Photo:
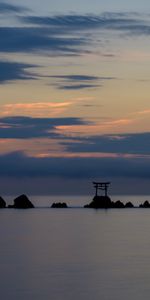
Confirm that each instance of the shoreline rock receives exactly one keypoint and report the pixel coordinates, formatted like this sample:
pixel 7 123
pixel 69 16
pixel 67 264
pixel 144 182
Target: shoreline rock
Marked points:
pixel 105 202
pixel 146 204
pixel 129 205
pixel 22 202
pixel 2 203
pixel 118 204
pixel 100 202
pixel 59 205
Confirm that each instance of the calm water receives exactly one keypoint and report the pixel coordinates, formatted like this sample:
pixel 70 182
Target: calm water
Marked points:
pixel 75 254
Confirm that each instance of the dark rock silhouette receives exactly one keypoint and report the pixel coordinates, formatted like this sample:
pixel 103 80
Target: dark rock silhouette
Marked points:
pixel 100 202
pixel 146 204
pixel 22 202
pixel 118 204
pixel 2 203
pixel 129 205
pixel 59 205
pixel 105 202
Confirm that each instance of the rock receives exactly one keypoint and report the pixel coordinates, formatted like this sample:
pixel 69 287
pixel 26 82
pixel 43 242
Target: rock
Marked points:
pixel 104 202
pixel 118 204
pixel 2 203
pixel 129 205
pixel 21 202
pixel 59 205
pixel 100 202
pixel 146 204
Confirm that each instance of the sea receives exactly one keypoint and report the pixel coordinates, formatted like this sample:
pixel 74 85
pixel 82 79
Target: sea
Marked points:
pixel 75 253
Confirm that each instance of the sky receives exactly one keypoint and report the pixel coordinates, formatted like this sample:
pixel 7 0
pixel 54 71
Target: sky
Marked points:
pixel 74 96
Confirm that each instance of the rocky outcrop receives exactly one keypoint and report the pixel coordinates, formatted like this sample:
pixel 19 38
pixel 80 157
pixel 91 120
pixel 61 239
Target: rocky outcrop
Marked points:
pixel 129 205
pixel 22 202
pixel 105 202
pixel 59 205
pixel 100 202
pixel 146 204
pixel 2 203
pixel 118 204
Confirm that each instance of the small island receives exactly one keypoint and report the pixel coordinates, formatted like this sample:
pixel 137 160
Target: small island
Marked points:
pixel 22 202
pixel 59 205
pixel 104 201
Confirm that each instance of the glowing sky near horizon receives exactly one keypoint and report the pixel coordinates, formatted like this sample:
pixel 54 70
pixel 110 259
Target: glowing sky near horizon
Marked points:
pixel 75 74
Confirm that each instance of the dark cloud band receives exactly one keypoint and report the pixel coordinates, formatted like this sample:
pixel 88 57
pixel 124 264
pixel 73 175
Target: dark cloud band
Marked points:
pixel 78 82
pixel 136 143
pixel 27 128
pixel 10 71
pixel 18 165
pixel 125 22
pixel 6 8
pixel 66 34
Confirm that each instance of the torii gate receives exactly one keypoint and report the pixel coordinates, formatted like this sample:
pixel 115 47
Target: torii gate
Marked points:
pixel 101 186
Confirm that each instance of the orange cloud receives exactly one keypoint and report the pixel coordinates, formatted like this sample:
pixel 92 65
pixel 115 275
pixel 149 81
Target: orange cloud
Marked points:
pixel 31 147
pixel 41 109
pixel 96 129
pixel 119 122
pixel 87 155
pixel 143 112
pixel 48 148
pixel 37 109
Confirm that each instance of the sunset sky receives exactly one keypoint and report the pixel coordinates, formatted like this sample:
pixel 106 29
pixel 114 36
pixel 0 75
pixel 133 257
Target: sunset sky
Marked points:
pixel 74 96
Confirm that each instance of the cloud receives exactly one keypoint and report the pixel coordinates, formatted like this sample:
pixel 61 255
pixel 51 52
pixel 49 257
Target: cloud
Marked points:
pixel 116 146
pixel 77 82
pixel 35 109
pixel 6 8
pixel 67 34
pixel 74 78
pixel 126 22
pixel 39 176
pixel 143 112
pixel 83 22
pixel 11 71
pixel 35 40
pixel 78 87
pixel 18 165
pixel 104 125
pixel 125 156
pixel 137 144
pixel 26 127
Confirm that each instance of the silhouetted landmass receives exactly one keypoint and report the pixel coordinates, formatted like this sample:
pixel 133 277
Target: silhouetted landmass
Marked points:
pixel 105 202
pixel 22 202
pixel 100 202
pixel 146 204
pixel 59 205
pixel 129 205
pixel 2 203
pixel 118 204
